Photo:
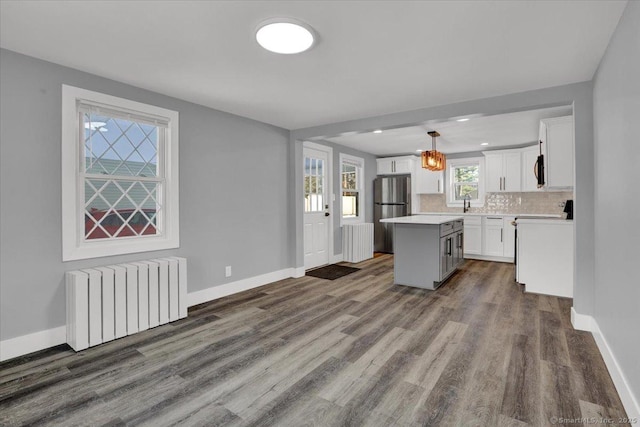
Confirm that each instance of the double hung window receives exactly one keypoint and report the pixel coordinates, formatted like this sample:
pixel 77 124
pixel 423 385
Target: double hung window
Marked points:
pixel 120 177
pixel 465 181
pixel 351 178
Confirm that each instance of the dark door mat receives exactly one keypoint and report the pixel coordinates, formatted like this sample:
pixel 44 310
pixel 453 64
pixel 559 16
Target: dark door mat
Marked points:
pixel 332 272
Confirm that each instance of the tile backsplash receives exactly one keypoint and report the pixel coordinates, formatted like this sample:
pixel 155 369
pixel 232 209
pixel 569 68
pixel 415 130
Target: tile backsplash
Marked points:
pixel 503 203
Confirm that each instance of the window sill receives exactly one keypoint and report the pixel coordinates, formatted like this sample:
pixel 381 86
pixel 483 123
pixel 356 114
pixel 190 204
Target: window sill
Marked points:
pixel 111 248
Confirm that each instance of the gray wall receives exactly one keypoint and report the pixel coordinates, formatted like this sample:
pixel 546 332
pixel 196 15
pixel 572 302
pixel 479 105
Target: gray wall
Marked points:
pixel 616 111
pixel 370 171
pixel 578 94
pixel 234 192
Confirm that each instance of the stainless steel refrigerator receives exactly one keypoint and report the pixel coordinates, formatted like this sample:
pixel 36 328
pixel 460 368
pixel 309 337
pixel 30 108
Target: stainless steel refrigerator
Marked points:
pixel 391 198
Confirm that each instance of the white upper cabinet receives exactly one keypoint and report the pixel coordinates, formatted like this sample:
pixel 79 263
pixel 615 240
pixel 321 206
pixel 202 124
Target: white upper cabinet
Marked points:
pixel 428 182
pixel 529 160
pixel 385 166
pixel 396 165
pixel 493 172
pixel 557 135
pixel 503 171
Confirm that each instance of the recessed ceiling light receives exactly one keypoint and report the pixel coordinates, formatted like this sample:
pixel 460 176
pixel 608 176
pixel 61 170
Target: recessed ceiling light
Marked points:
pixel 418 151
pixel 485 143
pixel 285 35
pixel 462 120
pixel 377 131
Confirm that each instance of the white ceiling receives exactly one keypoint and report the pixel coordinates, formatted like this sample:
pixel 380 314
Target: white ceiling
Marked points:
pixel 372 58
pixel 504 130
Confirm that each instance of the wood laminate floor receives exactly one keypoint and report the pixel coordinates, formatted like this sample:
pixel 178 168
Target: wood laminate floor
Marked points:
pixel 357 351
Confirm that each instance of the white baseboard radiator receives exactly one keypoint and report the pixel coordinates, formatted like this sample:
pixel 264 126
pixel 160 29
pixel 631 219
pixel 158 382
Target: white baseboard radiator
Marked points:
pixel 105 303
pixel 357 242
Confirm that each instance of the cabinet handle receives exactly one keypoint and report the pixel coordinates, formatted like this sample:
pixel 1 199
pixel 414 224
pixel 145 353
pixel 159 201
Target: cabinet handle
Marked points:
pixel 504 183
pixel 501 235
pixel 438 186
pixel 449 246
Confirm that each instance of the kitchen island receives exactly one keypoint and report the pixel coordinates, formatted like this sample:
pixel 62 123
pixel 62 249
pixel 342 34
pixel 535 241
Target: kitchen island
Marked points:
pixel 427 249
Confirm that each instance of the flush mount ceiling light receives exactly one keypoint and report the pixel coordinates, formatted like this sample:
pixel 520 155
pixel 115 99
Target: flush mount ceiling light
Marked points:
pixel 485 143
pixel 285 36
pixel 377 131
pixel 433 160
pixel 463 120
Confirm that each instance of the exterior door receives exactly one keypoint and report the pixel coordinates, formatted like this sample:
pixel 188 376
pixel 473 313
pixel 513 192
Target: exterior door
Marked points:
pixel 316 208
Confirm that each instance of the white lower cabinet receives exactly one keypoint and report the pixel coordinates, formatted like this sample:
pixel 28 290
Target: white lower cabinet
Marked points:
pixel 489 237
pixel 493 236
pixel 509 237
pixel 473 235
pixel 545 256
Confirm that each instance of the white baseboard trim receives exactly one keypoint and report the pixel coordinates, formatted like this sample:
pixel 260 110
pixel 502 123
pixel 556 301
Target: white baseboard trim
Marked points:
pixel 489 258
pixel 41 340
pixel 215 292
pixel 581 322
pixel 585 322
pixel 29 343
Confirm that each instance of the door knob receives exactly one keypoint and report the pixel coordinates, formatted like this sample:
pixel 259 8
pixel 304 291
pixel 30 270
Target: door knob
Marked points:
pixel 327 214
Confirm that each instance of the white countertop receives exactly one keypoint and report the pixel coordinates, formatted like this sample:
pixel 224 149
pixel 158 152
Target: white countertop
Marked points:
pixel 494 214
pixel 423 219
pixel 554 221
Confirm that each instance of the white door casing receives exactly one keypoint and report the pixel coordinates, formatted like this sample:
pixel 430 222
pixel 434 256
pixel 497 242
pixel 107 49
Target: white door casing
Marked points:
pixel 317 204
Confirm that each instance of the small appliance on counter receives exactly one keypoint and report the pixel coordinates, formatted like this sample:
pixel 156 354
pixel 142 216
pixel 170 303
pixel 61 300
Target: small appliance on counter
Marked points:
pixel 568 209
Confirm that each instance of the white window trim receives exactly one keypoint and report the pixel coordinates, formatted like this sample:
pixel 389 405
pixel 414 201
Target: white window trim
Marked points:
pixel 74 246
pixel 452 163
pixel 361 205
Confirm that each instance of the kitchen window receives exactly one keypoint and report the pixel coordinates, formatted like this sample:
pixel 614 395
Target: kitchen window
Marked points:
pixel 352 194
pixel 119 176
pixel 465 181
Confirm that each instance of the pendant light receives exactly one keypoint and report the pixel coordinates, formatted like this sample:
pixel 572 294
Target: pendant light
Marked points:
pixel 434 160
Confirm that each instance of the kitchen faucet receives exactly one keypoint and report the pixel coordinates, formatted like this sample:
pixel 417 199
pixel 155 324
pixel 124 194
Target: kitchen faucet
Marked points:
pixel 465 206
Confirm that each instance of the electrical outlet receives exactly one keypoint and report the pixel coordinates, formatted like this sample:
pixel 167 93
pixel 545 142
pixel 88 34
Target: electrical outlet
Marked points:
pixel 227 271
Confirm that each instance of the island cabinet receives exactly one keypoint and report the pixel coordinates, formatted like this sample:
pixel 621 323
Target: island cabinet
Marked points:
pixel 427 249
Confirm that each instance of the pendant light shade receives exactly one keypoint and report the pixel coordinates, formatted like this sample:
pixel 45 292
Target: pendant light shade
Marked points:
pixel 434 160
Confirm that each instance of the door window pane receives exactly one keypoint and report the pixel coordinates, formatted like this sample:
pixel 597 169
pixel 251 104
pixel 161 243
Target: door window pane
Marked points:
pixel 313 184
